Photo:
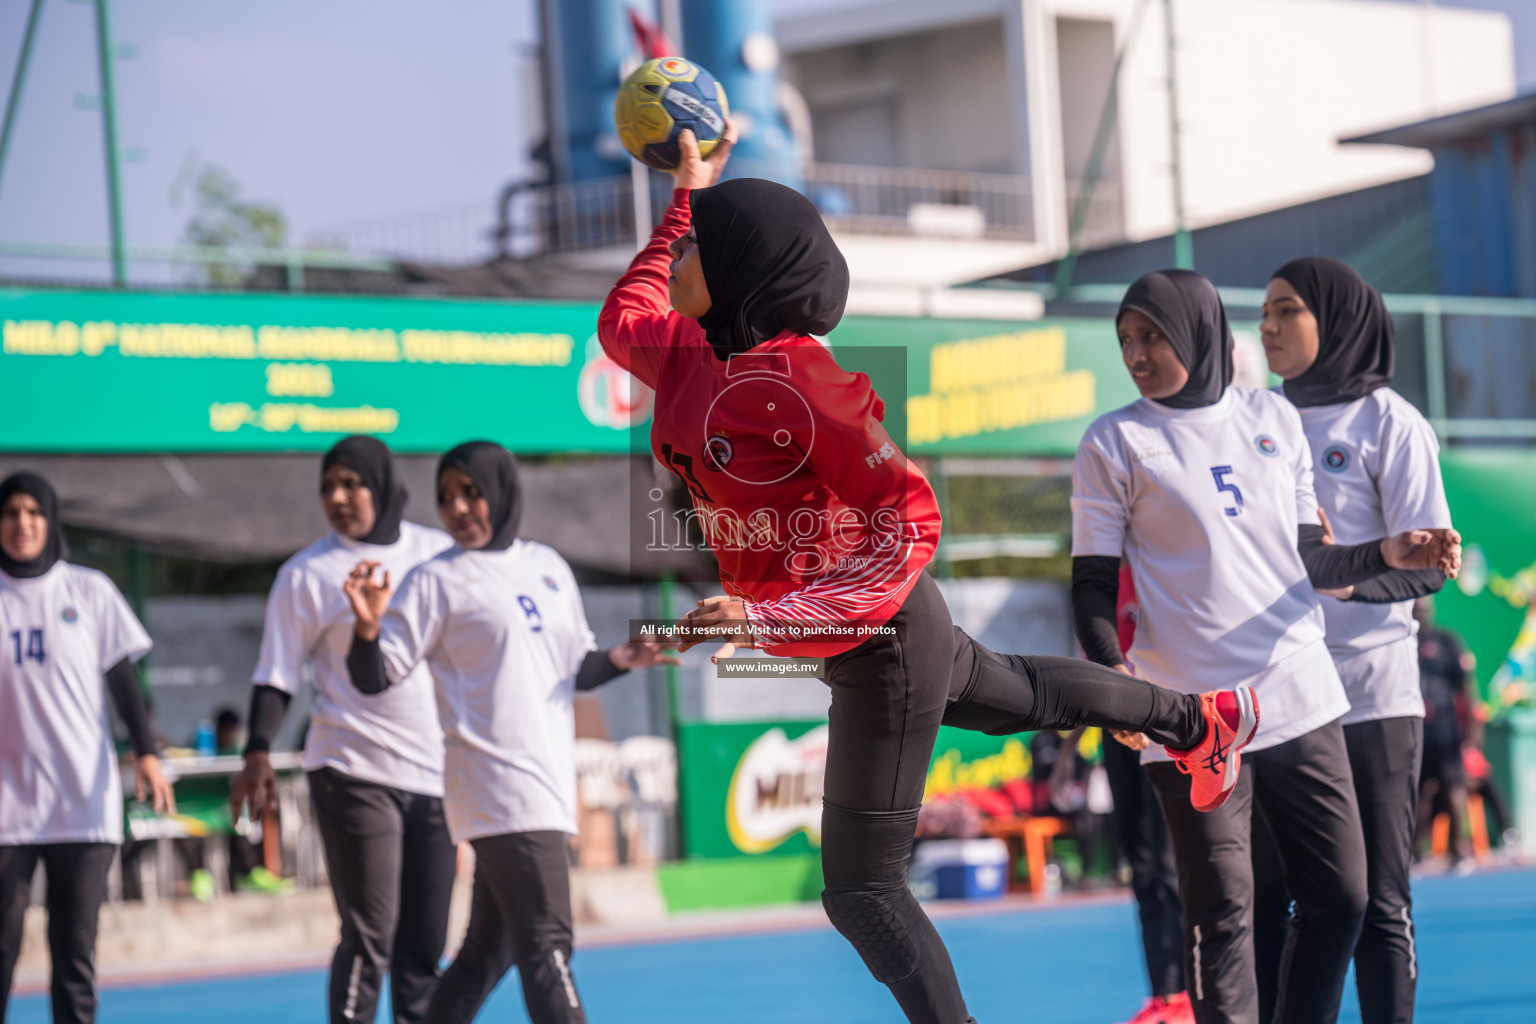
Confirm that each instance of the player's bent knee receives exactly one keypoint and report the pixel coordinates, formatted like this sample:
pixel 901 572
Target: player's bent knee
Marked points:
pixel 880 925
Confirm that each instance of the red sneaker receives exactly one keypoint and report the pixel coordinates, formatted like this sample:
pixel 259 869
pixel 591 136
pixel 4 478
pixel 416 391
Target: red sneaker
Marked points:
pixel 1173 1009
pixel 1231 717
pixel 1179 1010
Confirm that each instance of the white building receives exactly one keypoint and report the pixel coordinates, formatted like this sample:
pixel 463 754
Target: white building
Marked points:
pixel 1265 90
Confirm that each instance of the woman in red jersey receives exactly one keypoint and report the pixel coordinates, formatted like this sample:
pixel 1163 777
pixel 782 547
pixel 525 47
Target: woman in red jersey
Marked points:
pixel 822 529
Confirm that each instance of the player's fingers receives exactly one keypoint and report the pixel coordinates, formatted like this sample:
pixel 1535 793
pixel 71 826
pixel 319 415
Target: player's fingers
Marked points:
pixel 688 146
pixel 725 651
pixel 722 151
pixel 165 798
pixel 138 787
pixel 385 584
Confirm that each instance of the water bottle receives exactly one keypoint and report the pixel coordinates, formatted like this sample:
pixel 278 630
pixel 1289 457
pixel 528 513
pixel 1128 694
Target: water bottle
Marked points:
pixel 206 746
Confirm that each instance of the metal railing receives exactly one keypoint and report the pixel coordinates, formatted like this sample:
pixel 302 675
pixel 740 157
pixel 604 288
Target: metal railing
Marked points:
pixel 600 213
pixel 1467 362
pixel 533 220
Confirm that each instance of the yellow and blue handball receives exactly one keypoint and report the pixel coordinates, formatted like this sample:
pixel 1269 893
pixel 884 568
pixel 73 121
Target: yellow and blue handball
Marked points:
pixel 661 98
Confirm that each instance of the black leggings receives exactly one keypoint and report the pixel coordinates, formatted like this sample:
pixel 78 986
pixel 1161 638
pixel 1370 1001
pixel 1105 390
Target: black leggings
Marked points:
pixel 77 885
pixel 391 865
pixel 1143 838
pixel 1306 793
pixel 889 697
pixel 520 914
pixel 1384 760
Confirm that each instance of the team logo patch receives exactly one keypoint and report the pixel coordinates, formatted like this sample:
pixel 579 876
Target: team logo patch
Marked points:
pixel 69 614
pixel 1335 459
pixel 1266 445
pixel 673 66
pixel 718 452
pixel 549 581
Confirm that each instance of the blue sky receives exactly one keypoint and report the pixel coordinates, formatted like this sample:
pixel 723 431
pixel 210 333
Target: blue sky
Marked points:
pixel 333 109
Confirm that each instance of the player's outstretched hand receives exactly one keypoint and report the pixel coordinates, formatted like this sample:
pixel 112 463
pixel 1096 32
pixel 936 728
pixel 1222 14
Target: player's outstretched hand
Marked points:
pixel 369 597
pixel 718 616
pixel 694 171
pixel 1424 549
pixel 150 781
pixel 256 784
pixel 642 651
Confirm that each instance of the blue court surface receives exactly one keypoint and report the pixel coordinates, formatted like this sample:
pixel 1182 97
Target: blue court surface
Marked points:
pixel 1063 964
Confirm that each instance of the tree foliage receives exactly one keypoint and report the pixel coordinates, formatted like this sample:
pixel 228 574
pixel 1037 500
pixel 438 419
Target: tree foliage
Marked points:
pixel 223 219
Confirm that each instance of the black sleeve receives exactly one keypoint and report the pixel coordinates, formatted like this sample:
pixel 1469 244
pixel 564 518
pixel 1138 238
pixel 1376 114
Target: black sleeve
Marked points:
pixel 1335 566
pixel 268 705
pixel 596 669
pixel 365 662
pixel 1396 585
pixel 123 684
pixel 1095 589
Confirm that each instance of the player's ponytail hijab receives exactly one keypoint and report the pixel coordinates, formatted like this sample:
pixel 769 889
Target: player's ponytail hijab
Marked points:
pixel 54 549
pixel 494 471
pixel 1356 351
pixel 769 263
pixel 1185 307
pixel 370 459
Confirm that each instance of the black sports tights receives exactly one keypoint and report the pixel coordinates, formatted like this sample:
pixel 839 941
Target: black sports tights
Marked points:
pixel 889 697
pixel 519 913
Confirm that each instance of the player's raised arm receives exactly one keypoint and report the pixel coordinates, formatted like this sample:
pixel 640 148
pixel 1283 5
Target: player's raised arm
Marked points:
pixel 637 322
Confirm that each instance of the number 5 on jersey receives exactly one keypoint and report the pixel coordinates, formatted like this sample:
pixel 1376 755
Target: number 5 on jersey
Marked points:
pixel 1223 484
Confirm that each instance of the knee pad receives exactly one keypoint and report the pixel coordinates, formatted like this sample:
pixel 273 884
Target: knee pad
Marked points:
pixel 880 926
pixel 864 858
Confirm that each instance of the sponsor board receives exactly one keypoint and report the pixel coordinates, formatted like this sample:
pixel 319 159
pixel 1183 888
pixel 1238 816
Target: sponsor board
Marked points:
pixel 756 787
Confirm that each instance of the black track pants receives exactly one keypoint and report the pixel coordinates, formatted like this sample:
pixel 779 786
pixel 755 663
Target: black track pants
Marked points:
pixel 1143 838
pixel 888 700
pixel 1385 757
pixel 520 914
pixel 1305 790
pixel 77 885
pixel 391 865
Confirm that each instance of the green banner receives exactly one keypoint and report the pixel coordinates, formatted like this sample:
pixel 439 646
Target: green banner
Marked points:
pixel 988 387
pixel 755 787
pixel 115 371
pixel 1492 605
pixel 112 371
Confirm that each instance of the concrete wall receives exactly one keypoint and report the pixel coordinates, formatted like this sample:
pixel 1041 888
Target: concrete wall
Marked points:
pixel 1266 88
pixel 940 92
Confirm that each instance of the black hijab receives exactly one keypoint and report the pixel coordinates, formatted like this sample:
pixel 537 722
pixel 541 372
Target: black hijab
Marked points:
pixel 54 548
pixel 769 262
pixel 370 459
pixel 1355 348
pixel 494 471
pixel 1185 307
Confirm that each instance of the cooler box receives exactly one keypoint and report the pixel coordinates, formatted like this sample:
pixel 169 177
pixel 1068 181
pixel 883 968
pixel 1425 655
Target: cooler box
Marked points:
pixel 953 869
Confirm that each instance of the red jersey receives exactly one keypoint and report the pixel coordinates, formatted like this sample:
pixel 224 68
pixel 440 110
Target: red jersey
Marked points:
pixel 819 522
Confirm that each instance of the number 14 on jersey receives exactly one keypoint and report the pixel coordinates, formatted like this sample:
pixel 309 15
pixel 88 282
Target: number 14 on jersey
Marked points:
pixel 34 648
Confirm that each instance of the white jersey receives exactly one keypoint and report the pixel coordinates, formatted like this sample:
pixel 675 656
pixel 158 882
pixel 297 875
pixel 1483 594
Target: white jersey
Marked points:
pixel 59 633
pixel 1377 471
pixel 391 739
pixel 504 633
pixel 1205 504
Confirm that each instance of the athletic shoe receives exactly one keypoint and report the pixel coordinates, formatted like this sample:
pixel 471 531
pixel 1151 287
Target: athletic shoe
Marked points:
pixel 1174 1009
pixel 1231 719
pixel 1180 1010
pixel 262 880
